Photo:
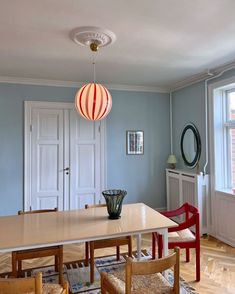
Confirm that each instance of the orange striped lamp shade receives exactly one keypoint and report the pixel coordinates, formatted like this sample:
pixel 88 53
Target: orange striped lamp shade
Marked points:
pixel 93 101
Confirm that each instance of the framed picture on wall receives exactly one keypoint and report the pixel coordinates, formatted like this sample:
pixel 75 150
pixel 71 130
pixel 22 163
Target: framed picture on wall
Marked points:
pixel 134 142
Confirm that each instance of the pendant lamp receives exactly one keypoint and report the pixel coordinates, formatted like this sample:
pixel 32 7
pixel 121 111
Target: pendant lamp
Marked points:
pixel 93 101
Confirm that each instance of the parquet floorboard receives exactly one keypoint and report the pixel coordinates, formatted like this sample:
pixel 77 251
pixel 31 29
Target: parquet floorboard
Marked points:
pixel 217 264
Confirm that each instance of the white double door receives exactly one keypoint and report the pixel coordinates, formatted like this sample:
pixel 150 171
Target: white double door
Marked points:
pixel 64 157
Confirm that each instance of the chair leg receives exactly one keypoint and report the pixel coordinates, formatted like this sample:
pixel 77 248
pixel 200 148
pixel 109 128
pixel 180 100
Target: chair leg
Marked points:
pixel 92 262
pixel 130 247
pixel 56 263
pixel 160 246
pixel 118 252
pixel 60 265
pixel 198 270
pixel 187 254
pixel 19 273
pixel 86 253
pixel 153 246
pixel 14 263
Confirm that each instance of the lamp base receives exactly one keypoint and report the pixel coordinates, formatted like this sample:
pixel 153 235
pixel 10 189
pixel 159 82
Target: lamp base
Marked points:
pixel 172 165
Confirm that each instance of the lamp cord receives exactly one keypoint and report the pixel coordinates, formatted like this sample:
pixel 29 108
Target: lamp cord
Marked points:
pixel 171 136
pixel 93 63
pixel 94 78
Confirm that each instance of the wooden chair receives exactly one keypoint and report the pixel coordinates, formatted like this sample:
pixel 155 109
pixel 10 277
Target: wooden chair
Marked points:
pixel 182 236
pixel 19 256
pixel 32 285
pixel 143 277
pixel 104 244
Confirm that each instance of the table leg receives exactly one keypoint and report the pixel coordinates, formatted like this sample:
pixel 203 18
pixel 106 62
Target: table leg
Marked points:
pixel 138 242
pixel 164 233
pixel 165 242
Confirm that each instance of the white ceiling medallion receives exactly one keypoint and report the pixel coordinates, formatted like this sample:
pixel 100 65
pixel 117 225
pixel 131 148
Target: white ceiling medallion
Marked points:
pixel 86 35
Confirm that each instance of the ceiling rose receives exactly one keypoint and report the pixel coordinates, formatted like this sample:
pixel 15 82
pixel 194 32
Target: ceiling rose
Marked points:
pixel 86 35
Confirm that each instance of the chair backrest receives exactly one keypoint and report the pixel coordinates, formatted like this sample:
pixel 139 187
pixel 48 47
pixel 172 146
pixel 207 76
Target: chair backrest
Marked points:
pixel 186 208
pixel 20 212
pixel 192 217
pixel 21 285
pixel 95 205
pixel 153 266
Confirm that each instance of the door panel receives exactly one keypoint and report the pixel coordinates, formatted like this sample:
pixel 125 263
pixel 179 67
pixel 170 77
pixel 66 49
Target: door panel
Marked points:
pixel 80 200
pixel 85 157
pixel 85 161
pixel 47 202
pixel 48 123
pixel 48 167
pixel 47 158
pixel 85 130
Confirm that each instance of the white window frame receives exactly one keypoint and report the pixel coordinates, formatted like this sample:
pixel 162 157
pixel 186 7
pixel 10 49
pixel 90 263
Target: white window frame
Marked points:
pixel 219 136
pixel 228 124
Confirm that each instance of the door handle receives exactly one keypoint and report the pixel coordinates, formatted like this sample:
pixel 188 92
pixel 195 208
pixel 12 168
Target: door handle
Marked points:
pixel 67 169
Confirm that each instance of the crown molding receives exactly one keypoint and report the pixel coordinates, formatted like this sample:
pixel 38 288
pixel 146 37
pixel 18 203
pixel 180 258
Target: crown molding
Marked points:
pixel 209 74
pixel 71 84
pixel 39 82
pixel 188 81
pixel 119 87
pixel 137 88
pixel 223 68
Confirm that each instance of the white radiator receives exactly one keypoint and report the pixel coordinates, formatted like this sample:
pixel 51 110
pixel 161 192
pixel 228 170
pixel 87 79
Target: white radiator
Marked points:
pixel 188 187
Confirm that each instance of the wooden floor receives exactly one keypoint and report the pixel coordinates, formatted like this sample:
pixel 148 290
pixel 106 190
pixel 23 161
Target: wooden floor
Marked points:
pixel 217 264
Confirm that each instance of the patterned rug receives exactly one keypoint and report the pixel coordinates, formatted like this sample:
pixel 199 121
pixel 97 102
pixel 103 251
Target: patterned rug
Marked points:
pixel 77 274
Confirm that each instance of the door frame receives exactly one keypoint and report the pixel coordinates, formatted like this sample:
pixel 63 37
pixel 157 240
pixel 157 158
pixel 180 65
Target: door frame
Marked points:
pixel 28 106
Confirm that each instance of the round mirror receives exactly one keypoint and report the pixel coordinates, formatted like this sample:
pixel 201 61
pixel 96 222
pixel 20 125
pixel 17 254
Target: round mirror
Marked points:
pixel 190 145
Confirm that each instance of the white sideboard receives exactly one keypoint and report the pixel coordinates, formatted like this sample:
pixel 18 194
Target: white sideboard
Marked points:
pixel 183 186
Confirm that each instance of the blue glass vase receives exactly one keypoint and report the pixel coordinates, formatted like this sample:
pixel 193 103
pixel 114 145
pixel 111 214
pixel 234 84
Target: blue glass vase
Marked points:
pixel 114 200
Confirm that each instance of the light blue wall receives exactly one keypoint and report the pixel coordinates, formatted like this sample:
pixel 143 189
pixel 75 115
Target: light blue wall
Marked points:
pixel 142 176
pixel 188 105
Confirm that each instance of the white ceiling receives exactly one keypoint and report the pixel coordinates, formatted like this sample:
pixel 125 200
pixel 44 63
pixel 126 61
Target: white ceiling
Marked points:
pixel 159 42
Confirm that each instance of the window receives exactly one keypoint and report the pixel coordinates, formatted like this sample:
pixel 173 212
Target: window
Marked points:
pixel 224 136
pixel 229 126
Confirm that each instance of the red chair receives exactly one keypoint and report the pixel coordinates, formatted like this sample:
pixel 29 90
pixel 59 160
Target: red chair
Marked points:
pixel 182 236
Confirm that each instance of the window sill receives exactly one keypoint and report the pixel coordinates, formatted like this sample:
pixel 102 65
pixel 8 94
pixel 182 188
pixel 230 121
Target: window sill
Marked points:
pixel 226 191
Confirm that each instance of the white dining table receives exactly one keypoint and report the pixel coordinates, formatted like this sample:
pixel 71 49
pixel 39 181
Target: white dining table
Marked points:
pixel 30 231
